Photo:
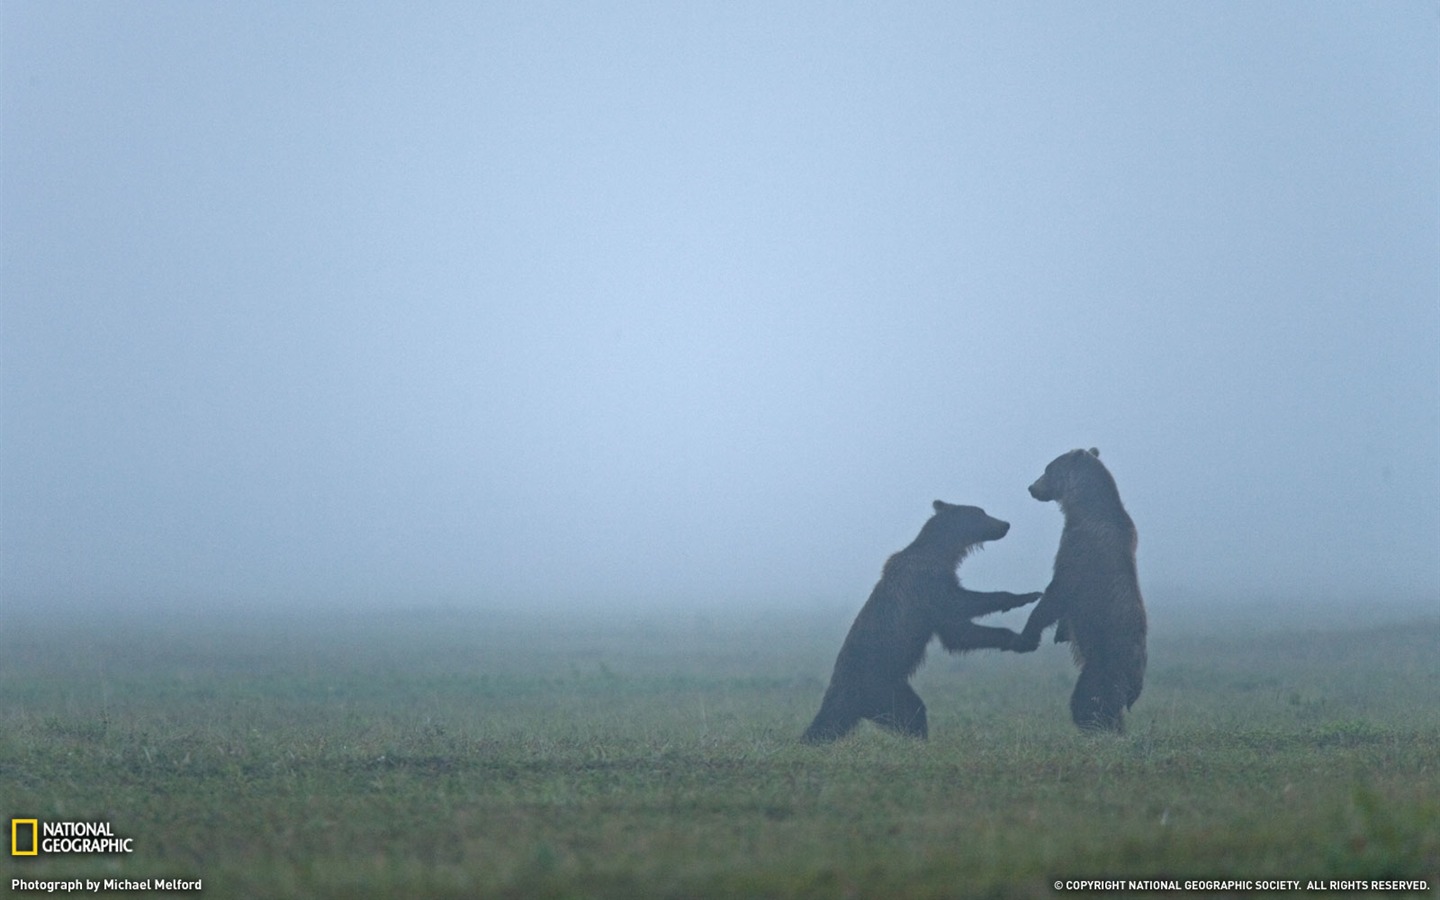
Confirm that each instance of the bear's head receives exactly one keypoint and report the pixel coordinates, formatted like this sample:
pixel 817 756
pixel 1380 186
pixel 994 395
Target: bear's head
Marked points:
pixel 1068 474
pixel 963 526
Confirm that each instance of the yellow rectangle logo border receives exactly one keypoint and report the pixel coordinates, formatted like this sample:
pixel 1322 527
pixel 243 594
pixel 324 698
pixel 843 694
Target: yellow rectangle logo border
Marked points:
pixel 15 837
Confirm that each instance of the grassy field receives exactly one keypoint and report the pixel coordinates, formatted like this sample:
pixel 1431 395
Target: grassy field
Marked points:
pixel 455 754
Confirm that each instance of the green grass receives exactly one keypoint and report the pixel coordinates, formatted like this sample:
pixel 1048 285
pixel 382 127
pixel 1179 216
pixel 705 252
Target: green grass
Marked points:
pixel 455 754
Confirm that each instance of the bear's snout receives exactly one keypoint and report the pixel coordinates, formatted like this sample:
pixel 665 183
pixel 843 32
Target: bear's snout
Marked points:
pixel 994 529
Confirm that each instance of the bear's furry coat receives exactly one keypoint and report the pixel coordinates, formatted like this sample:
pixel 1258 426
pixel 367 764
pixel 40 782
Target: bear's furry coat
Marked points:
pixel 1094 595
pixel 918 596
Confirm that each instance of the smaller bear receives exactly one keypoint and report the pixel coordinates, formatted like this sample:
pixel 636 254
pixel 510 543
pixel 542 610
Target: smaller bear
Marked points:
pixel 918 596
pixel 1094 597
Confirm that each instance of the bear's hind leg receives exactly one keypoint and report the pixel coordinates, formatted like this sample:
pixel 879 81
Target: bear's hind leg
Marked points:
pixel 1098 703
pixel 900 709
pixel 835 719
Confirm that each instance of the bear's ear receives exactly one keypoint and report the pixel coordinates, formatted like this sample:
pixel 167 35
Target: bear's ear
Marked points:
pixel 939 505
pixel 1095 452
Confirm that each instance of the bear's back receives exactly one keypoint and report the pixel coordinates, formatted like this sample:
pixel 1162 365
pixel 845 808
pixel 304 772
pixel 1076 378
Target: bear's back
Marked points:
pixel 896 624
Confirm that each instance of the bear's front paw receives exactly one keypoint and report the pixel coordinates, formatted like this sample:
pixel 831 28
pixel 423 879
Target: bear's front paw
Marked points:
pixel 1026 599
pixel 1025 643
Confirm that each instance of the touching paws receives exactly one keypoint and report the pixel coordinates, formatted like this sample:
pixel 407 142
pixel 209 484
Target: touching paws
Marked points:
pixel 1024 599
pixel 1025 643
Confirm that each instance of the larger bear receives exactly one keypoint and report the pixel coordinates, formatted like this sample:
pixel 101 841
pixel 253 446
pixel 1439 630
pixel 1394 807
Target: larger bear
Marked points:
pixel 918 597
pixel 1094 595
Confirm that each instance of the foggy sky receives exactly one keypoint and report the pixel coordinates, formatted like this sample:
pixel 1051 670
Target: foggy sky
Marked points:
pixel 693 303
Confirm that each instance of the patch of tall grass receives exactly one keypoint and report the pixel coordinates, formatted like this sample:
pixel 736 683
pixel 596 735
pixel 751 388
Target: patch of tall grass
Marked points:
pixel 476 755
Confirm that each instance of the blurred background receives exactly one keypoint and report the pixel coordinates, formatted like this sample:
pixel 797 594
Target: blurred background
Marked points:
pixel 701 305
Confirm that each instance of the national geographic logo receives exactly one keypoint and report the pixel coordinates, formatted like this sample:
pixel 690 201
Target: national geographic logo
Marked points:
pixel 31 837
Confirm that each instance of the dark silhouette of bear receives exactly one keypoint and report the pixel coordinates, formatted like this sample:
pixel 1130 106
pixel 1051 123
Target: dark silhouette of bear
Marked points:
pixel 918 596
pixel 1094 597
